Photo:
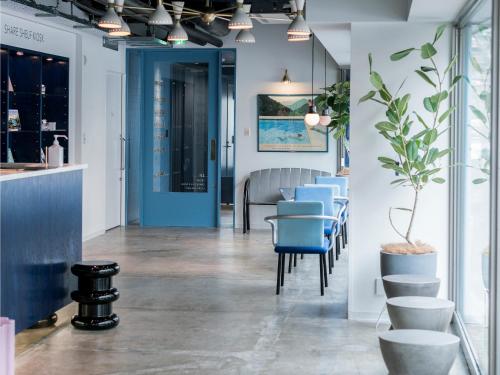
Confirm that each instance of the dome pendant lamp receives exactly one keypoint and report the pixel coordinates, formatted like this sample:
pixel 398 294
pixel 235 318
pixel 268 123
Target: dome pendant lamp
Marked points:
pixel 325 117
pixel 124 30
pixel 245 35
pixel 312 117
pixel 178 34
pixel 160 16
pixel 110 20
pixel 299 25
pixel 240 19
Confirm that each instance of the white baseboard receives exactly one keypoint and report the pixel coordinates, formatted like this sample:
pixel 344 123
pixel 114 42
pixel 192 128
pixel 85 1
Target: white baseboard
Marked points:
pixel 368 316
pixel 89 236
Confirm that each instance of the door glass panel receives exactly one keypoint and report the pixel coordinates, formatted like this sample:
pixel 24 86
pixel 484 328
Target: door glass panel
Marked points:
pixel 180 145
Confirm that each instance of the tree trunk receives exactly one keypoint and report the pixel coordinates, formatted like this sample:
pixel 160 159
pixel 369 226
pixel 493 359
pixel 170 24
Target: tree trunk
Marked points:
pixel 413 212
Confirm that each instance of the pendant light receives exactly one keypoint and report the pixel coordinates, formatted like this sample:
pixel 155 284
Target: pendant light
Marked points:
pixel 110 20
pixel 298 38
pixel 124 30
pixel 312 117
pixel 240 19
pixel 299 25
pixel 160 16
pixel 245 35
pixel 178 34
pixel 325 117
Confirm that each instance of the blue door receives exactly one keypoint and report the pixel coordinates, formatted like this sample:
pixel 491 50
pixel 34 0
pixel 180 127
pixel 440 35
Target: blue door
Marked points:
pixel 180 136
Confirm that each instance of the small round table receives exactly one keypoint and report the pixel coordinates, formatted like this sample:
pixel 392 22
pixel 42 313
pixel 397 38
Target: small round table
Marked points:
pixel 95 294
pixel 411 285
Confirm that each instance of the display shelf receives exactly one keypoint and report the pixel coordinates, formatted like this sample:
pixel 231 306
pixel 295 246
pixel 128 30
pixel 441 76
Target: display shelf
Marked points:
pixel 34 89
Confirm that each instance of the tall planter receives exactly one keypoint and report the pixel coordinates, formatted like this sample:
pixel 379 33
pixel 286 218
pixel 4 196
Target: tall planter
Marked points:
pixel 408 264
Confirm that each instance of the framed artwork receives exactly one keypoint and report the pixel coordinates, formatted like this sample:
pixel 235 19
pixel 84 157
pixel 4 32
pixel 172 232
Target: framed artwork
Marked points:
pixel 281 127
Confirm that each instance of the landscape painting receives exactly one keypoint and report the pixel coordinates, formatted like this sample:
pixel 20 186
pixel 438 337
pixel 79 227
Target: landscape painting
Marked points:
pixel 281 126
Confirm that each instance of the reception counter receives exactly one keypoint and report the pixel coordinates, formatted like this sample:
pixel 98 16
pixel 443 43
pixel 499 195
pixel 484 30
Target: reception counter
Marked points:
pixel 41 237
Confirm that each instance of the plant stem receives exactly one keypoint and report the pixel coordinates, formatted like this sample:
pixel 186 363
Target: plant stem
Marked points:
pixel 413 212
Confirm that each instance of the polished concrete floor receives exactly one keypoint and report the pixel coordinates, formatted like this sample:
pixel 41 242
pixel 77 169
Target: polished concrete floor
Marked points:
pixel 203 302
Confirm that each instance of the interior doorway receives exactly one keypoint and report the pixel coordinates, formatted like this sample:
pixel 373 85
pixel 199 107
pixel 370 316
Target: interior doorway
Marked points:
pixel 228 71
pixel 114 150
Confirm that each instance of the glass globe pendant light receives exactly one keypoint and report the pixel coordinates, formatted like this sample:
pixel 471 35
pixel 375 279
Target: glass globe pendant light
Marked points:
pixel 325 117
pixel 312 117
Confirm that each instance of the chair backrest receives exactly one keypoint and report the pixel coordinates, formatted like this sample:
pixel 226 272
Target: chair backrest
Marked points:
pixel 343 182
pixel 324 194
pixel 300 232
pixel 336 188
pixel 265 183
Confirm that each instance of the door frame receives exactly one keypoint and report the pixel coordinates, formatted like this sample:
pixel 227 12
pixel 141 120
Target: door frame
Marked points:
pixel 140 171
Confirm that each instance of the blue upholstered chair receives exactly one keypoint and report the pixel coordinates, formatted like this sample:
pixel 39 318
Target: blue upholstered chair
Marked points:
pixel 325 194
pixel 299 228
pixel 343 184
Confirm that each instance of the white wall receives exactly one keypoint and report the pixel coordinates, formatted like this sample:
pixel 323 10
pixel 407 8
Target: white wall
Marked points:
pixel 259 70
pixel 371 193
pixel 89 62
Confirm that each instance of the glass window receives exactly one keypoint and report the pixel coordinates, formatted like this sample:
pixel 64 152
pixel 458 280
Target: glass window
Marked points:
pixel 473 271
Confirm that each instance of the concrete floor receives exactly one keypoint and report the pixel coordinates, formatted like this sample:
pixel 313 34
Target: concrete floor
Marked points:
pixel 203 302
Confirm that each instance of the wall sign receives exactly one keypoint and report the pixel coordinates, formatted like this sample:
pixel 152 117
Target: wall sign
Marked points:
pixel 23 33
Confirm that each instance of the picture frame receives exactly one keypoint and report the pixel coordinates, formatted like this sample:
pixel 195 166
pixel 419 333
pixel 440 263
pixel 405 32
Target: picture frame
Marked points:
pixel 281 127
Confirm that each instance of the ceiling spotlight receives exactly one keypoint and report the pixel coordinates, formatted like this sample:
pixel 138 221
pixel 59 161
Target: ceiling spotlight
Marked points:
pixel 245 36
pixel 178 34
pixel 110 20
pixel 124 30
pixel 298 38
pixel 160 16
pixel 240 19
pixel 299 25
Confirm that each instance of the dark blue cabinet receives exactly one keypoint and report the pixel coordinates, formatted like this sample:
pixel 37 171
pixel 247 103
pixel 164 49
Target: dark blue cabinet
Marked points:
pixel 34 90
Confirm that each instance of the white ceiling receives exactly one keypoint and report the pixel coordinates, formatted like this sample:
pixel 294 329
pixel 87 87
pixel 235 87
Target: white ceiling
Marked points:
pixel 330 20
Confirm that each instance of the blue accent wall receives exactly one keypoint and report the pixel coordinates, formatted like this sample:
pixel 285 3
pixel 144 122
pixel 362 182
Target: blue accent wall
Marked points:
pixel 41 237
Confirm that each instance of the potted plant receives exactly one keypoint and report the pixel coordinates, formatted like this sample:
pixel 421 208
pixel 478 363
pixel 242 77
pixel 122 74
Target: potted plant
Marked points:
pixel 414 141
pixel 337 97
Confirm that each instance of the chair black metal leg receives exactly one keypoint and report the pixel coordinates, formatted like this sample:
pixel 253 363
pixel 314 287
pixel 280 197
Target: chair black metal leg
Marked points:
pixel 301 256
pixel 295 260
pixel 337 247
pixel 279 275
pixel 325 276
pixel 321 275
pixel 283 269
pixel 345 232
pixel 290 263
pixel 343 236
pixel 330 262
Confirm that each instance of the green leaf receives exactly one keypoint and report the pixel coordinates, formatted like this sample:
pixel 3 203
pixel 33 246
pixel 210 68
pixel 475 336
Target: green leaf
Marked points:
pixel 439 32
pixel 430 136
pixel 401 54
pixel 478 181
pixel 386 160
pixel 432 155
pixel 368 96
pixel 386 126
pixel 419 134
pixel 384 94
pixel 425 77
pixel 427 69
pixel 439 180
pixel 450 65
pixel 399 181
pixel 398 149
pixel 444 152
pixel 476 65
pixel 480 115
pixel 445 115
pixel 421 120
pixel 392 116
pixel 403 104
pixel 427 51
pixel 428 105
pixel 370 61
pixel 412 150
pixel 376 80
pixel 455 80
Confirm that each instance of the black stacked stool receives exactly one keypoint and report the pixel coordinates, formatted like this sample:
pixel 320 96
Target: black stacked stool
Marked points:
pixel 95 295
